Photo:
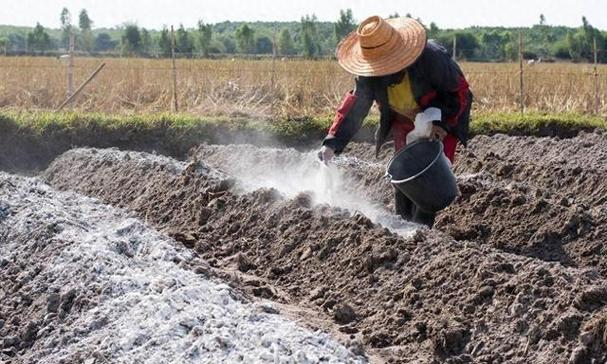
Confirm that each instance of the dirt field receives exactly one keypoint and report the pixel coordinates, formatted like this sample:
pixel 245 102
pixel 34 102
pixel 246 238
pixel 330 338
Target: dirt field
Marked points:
pixel 514 272
pixel 539 197
pixel 82 282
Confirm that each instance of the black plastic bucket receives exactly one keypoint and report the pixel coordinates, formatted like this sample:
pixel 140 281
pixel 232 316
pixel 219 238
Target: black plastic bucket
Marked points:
pixel 423 173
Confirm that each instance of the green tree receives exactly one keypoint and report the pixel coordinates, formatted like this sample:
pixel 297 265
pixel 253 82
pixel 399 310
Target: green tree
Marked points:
pixel 104 42
pixel 309 38
pixel 183 41
pixel 467 44
pixel 586 39
pixel 542 33
pixel 65 17
pixel 84 22
pixel 574 43
pixel 309 47
pixel 38 39
pixel 344 25
pixel 86 39
pixel 17 41
pixel 493 45
pixel 263 45
pixel 3 45
pixel 131 39
pixel 285 43
pixel 164 42
pixel 510 46
pixel 433 31
pixel 245 37
pixel 228 44
pixel 587 35
pixel 66 27
pixel 146 41
pixel 560 49
pixel 205 35
pixel 319 38
pixel 511 51
pixel 217 47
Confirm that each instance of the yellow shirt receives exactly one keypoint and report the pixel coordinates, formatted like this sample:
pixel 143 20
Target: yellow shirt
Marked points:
pixel 401 99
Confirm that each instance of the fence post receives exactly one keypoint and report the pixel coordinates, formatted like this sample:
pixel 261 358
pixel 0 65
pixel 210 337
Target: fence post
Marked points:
pixel 272 80
pixel 597 102
pixel 454 47
pixel 70 66
pixel 175 105
pixel 520 62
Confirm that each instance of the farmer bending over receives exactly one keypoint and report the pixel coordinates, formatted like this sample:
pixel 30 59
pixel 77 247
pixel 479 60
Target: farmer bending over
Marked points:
pixel 410 78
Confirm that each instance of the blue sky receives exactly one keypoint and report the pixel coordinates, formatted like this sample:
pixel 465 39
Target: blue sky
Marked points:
pixel 452 14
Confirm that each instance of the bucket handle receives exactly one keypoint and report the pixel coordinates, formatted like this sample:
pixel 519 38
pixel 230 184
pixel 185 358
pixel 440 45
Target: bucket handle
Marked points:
pixel 441 152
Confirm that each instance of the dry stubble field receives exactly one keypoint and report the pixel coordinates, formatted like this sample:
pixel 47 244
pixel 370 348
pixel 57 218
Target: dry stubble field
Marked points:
pixel 263 88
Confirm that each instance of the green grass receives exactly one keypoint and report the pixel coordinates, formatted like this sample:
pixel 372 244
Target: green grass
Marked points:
pixel 41 121
pixel 31 140
pixel 288 130
pixel 534 123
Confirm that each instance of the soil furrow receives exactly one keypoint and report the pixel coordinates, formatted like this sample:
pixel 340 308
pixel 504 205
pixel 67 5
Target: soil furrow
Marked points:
pixel 425 298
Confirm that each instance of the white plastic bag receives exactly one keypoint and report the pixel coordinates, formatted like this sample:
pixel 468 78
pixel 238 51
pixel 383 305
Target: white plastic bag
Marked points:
pixel 423 124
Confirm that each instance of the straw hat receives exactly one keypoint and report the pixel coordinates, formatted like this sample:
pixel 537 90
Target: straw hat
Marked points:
pixel 381 47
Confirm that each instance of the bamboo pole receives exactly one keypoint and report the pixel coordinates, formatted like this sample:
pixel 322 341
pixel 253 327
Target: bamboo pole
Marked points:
pixel 73 96
pixel 597 102
pixel 272 79
pixel 175 105
pixel 70 66
pixel 521 74
pixel 454 47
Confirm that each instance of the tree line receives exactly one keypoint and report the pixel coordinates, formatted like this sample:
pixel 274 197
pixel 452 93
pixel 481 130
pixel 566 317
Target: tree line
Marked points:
pixel 308 38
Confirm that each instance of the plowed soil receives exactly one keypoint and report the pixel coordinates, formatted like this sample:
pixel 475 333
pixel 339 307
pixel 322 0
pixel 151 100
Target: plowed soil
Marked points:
pixel 82 282
pixel 539 197
pixel 506 277
pixel 545 198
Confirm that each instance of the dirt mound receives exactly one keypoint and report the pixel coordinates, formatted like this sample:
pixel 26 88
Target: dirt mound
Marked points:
pixel 83 282
pixel 539 197
pixel 425 298
pixel 573 169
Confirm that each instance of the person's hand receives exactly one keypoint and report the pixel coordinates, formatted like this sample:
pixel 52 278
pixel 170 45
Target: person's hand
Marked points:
pixel 438 132
pixel 326 154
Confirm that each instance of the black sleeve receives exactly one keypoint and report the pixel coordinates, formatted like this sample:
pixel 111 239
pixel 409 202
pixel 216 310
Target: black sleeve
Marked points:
pixel 446 78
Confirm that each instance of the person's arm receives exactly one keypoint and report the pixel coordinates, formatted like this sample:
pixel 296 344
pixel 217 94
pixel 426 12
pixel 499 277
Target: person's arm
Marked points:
pixel 350 115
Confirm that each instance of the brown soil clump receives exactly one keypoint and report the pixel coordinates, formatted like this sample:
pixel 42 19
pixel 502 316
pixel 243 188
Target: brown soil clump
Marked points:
pixel 428 298
pixel 539 197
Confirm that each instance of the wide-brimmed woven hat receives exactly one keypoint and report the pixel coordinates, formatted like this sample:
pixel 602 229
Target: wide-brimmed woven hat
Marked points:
pixel 381 47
